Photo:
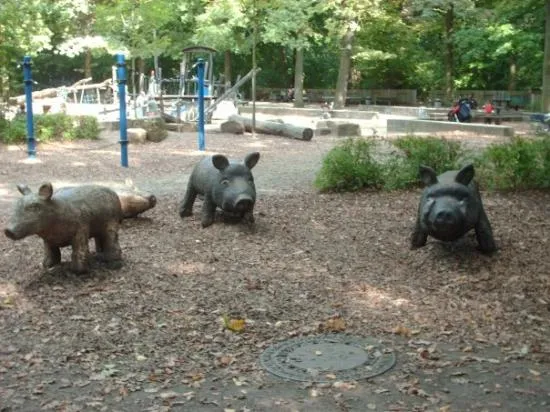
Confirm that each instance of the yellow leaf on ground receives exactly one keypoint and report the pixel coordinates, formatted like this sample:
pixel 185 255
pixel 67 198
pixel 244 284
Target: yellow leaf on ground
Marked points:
pixel 402 330
pixel 337 324
pixel 234 325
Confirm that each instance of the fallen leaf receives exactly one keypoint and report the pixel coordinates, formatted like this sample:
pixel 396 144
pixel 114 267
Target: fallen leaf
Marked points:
pixel 234 325
pixel 402 330
pixel 8 301
pixel 344 385
pixel 240 381
pixel 169 395
pixel 224 361
pixel 335 324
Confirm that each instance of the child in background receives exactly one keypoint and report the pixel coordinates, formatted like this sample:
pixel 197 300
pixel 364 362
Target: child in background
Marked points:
pixel 488 108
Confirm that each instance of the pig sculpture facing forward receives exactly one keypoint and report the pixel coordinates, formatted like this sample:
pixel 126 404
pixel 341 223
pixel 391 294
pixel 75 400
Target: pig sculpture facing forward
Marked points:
pixel 450 206
pixel 69 217
pixel 226 184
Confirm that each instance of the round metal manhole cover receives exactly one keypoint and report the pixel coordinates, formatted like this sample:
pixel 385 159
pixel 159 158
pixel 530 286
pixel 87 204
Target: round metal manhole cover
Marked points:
pixel 326 358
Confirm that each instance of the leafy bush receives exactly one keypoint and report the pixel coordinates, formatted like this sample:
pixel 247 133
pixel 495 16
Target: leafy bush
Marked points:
pixel 87 127
pixel 57 126
pixel 519 164
pixel 14 131
pixel 439 154
pixel 523 163
pixel 399 173
pixel 350 166
pixel 54 126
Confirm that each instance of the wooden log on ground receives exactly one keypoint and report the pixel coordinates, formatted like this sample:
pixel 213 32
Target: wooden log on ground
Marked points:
pixel 275 128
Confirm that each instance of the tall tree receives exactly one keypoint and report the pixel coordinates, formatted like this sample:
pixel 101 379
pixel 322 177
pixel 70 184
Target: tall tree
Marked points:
pixel 289 24
pixel 546 65
pixel 444 14
pixel 222 25
pixel 344 20
pixel 22 31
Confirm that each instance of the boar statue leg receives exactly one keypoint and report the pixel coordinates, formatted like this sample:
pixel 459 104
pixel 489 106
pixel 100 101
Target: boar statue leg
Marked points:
pixel 52 256
pixel 109 248
pixel 248 217
pixel 419 236
pixel 80 253
pixel 484 234
pixel 186 206
pixel 208 211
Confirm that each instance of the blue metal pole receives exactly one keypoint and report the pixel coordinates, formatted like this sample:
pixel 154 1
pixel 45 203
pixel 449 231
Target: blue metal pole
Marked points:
pixel 200 74
pixel 121 77
pixel 27 76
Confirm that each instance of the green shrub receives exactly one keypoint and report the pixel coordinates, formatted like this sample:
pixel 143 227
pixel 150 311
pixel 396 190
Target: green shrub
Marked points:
pixel 439 154
pixel 520 164
pixel 87 127
pixel 55 126
pixel 14 131
pixel 350 166
pixel 399 173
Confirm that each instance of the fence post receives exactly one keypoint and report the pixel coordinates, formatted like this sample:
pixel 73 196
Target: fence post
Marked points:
pixel 200 74
pixel 121 76
pixel 27 76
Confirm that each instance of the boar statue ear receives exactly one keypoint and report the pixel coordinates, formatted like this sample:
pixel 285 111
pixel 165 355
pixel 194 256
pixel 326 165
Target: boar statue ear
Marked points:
pixel 465 175
pixel 251 159
pixel 427 175
pixel 46 191
pixel 220 162
pixel 23 189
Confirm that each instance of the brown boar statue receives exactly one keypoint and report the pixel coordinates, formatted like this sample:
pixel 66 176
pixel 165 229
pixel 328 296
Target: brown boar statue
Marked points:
pixel 69 217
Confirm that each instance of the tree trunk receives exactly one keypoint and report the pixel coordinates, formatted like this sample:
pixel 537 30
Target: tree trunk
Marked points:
pixel 275 128
pixel 513 74
pixel 299 78
pixel 140 65
pixel 449 52
pixel 344 69
pixel 227 70
pixel 88 63
pixel 546 67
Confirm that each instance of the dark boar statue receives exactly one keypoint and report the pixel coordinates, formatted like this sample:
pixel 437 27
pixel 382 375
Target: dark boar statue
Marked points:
pixel 449 207
pixel 69 217
pixel 226 184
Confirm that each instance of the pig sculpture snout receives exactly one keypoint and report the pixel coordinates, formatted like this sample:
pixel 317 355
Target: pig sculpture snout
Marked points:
pixel 244 203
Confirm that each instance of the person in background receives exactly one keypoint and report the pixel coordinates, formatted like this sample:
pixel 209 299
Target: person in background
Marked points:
pixel 488 108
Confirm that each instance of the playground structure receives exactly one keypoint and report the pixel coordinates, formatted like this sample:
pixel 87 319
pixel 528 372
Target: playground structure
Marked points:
pixel 177 98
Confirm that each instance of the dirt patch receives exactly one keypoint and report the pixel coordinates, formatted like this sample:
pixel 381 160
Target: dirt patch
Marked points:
pixel 471 332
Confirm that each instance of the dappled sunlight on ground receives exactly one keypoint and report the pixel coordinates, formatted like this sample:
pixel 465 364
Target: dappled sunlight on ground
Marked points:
pixel 372 297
